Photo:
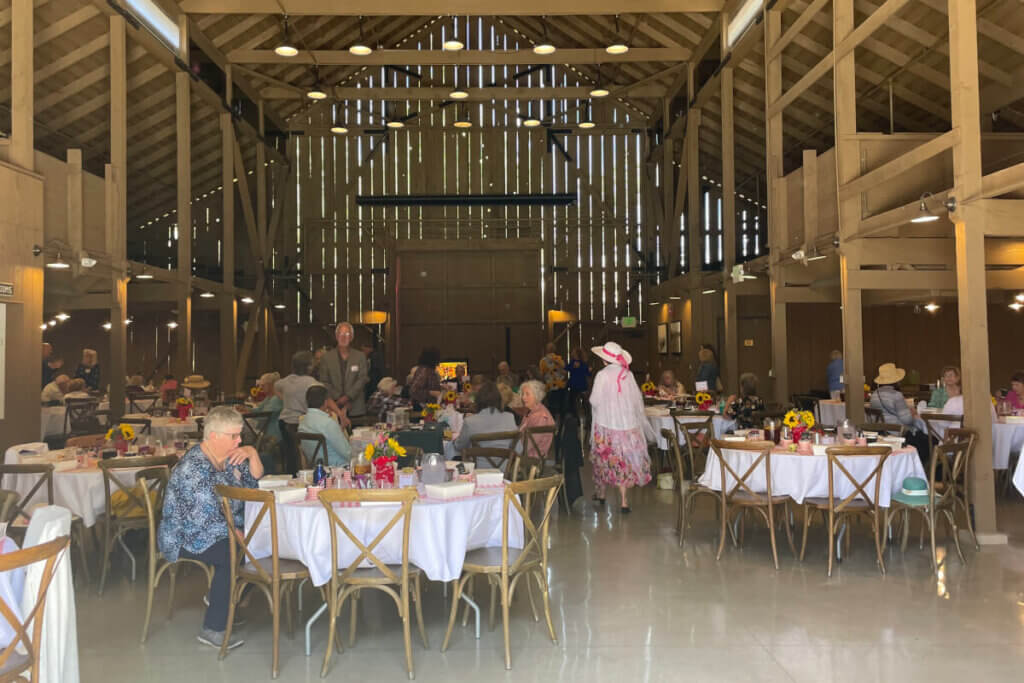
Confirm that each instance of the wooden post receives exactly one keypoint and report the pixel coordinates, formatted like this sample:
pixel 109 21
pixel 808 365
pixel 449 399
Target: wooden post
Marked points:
pixel 730 352
pixel 776 209
pixel 117 212
pixel 183 94
pixel 228 305
pixel 76 220
pixel 853 335
pixel 694 237
pixel 22 85
pixel 970 225
pixel 810 173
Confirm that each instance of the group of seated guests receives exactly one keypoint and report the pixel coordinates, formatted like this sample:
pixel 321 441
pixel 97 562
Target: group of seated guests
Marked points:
pixel 63 387
pixel 88 370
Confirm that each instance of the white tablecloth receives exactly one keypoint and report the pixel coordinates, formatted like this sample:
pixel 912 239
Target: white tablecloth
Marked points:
pixel 1006 440
pixel 660 419
pixel 12 586
pixel 805 476
pixel 831 413
pixel 440 533
pixel 51 422
pixel 1018 476
pixel 167 428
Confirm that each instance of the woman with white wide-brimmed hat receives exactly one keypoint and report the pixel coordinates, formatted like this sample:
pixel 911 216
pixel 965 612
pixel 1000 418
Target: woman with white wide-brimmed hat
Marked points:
pixel 620 431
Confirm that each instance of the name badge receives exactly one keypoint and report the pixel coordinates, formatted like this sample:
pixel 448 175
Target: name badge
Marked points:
pixel 354 368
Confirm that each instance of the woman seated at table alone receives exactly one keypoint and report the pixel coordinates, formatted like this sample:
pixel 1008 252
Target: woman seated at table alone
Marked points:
pixel 950 378
pixel 89 369
pixel 193 524
pixel 488 418
pixel 318 421
pixel 537 415
pixel 425 384
pixel 668 387
pixel 388 397
pixel 1015 396
pixel 743 406
pixel 707 371
pixel 889 399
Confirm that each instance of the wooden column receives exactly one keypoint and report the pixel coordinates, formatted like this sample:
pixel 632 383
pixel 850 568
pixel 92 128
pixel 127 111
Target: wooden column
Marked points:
pixel 228 305
pixel 970 227
pixel 183 98
pixel 730 352
pixel 776 210
pixel 117 212
pixel 691 148
pixel 76 219
pixel 22 85
pixel 810 173
pixel 853 335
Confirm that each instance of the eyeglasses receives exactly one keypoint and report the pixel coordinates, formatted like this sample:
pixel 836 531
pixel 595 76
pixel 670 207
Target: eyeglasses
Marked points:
pixel 232 435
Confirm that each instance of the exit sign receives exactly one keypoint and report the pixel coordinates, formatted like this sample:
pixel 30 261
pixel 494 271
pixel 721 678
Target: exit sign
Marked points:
pixel 748 342
pixel 629 321
pixel 6 289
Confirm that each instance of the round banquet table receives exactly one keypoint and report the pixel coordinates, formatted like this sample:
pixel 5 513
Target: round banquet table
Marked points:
pixel 51 419
pixel 660 419
pixel 1007 438
pixel 441 532
pixel 1018 476
pixel 168 428
pixel 12 586
pixel 806 476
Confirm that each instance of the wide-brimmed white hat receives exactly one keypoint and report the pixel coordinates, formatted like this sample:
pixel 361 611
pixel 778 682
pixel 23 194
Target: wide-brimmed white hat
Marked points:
pixel 888 373
pixel 612 352
pixel 196 382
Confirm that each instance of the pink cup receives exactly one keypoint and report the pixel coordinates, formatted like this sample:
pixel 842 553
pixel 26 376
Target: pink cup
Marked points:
pixel 862 441
pixel 785 443
pixel 805 448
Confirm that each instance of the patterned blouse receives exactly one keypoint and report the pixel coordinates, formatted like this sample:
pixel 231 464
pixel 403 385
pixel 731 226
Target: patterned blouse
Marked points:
pixel 193 518
pixel 552 369
pixel 380 403
pixel 743 409
pixel 424 381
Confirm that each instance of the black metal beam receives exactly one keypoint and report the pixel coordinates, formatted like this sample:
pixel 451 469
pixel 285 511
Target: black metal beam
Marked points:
pixel 555 199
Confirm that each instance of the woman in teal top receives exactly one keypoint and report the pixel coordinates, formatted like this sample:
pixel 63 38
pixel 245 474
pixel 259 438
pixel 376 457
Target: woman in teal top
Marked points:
pixel 950 377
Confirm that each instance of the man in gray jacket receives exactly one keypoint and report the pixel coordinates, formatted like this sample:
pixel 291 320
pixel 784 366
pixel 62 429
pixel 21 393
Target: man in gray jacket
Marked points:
pixel 345 372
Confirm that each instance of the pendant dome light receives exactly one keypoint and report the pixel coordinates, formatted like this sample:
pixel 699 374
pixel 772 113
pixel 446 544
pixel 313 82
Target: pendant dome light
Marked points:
pixel 362 48
pixel 286 48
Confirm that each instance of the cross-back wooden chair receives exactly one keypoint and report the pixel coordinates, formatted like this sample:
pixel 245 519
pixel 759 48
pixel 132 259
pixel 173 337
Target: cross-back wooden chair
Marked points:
pixel 694 430
pixel 276 577
pixel 127 510
pixel 936 425
pixel 862 501
pixel 142 401
pixel 739 491
pixel 153 481
pixel 890 428
pixel 198 434
pixel 804 402
pixel 141 425
pixel 688 489
pixel 962 486
pixel 505 566
pixel 254 426
pixel 873 414
pixel 495 456
pixel 947 467
pixel 319 450
pixel 19 511
pixel 21 655
pixel 348 581
pixel 8 499
pixel 82 416
pixel 532 453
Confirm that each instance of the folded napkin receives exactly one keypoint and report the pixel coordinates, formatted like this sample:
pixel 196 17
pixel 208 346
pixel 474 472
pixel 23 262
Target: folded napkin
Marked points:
pixel 273 481
pixel 65 465
pixel 289 494
pixel 449 490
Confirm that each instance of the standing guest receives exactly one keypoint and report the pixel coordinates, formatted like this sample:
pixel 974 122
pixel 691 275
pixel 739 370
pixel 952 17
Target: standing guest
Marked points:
pixel 317 421
pixel 506 376
pixel 169 390
pixel 89 369
pixel 489 418
pixel 707 371
pixel 834 373
pixel 292 390
pixel 668 387
pixel 318 357
pixel 537 415
pixel 388 397
pixel 579 376
pixel 1015 397
pixel 425 384
pixel 345 372
pixel 743 406
pixel 193 524
pixel 889 399
pixel 552 370
pixel 620 429
pixel 51 364
pixel 53 393
pixel 950 378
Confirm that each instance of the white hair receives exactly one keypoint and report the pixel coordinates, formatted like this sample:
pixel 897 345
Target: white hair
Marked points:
pixel 344 323
pixel 270 378
pixel 220 420
pixel 536 388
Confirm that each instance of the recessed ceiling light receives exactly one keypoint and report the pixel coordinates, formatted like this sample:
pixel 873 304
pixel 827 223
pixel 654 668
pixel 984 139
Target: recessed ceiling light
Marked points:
pixel 396 124
pixel 543 49
pixel 617 49
pixel 599 91
pixel 340 130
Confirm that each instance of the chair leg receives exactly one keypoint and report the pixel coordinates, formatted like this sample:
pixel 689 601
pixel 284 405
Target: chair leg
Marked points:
pixel 931 533
pixel 906 530
pixel 504 620
pixel 150 589
pixel 543 583
pixel 879 541
pixel 965 504
pixel 721 540
pixel 172 574
pixel 405 631
pixel 529 594
pixel 831 541
pixel 951 518
pixel 107 543
pixel 417 596
pixel 80 541
pixel 808 513
pixel 353 618
pixel 789 528
pixel 771 535
pixel 494 595
pixel 232 601
pixel 456 596
pixel 276 616
pixel 332 614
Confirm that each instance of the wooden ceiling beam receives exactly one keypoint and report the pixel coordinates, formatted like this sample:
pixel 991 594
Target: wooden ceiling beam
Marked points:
pixel 447 7
pixel 5 13
pixel 68 22
pixel 475 94
pixel 461 58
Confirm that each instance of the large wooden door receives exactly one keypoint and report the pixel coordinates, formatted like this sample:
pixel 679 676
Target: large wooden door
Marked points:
pixel 473 299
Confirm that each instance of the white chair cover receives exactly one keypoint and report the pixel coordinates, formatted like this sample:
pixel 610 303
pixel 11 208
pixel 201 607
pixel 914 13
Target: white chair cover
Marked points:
pixel 58 658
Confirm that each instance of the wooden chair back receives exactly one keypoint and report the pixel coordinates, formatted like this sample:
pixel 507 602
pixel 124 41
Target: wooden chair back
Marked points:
pixel 404 498
pixel 142 401
pixel 12 661
pixel 141 425
pixel 494 456
pixel 154 482
pixel 860 486
pixel 519 496
pixel 804 402
pixel 8 499
pixel 81 416
pixel 673 446
pixel 761 450
pixel 696 435
pixel 239 541
pixel 531 447
pixel 947 473
pixel 44 482
pixel 86 441
pixel 319 450
pixel 873 414
pixel 254 426
pixel 890 428
pixel 109 468
pixel 937 424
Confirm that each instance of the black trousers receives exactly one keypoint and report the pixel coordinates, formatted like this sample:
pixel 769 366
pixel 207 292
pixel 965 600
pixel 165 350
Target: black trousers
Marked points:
pixel 289 447
pixel 217 556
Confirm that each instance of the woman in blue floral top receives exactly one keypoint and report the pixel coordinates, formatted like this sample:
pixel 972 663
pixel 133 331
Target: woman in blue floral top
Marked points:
pixel 193 524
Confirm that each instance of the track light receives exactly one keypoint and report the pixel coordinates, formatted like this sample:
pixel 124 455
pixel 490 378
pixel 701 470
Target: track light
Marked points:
pixel 286 48
pixel 43 326
pixel 924 215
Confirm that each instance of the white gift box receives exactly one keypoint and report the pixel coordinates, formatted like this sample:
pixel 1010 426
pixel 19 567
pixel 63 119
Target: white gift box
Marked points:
pixel 489 477
pixel 289 494
pixel 450 489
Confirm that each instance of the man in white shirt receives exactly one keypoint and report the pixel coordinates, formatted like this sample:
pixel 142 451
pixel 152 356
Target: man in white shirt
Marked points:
pixel 55 390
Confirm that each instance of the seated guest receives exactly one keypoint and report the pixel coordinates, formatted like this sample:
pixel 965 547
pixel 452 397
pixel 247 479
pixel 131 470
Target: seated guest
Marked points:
pixel 76 389
pixel 271 404
pixel 51 364
pixel 506 376
pixel 425 384
pixel 537 415
pixel 489 418
pixel 508 396
pixel 53 392
pixel 941 393
pixel 135 385
pixel 388 397
pixel 888 398
pixel 707 371
pixel 193 524
pixel 743 406
pixel 89 369
pixel 834 374
pixel 668 387
pixel 1015 397
pixel 317 421
pixel 169 390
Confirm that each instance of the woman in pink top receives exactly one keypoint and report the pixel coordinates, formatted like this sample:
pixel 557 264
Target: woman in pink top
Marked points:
pixel 532 393
pixel 1015 397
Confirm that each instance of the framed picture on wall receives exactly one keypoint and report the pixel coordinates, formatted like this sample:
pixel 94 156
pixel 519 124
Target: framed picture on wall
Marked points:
pixel 663 338
pixel 675 336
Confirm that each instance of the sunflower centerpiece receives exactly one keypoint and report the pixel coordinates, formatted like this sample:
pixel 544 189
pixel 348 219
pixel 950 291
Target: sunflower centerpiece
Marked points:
pixel 120 436
pixel 449 397
pixel 649 389
pixel 704 401
pixel 257 394
pixel 430 411
pixel 184 407
pixel 799 421
pixel 381 455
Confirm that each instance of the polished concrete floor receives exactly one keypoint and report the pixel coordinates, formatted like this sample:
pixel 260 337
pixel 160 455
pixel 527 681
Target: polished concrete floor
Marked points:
pixel 630 605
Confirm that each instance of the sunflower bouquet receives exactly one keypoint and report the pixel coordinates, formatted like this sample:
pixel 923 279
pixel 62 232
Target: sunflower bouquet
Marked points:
pixel 649 389
pixel 867 392
pixel 121 436
pixel 704 401
pixel 184 407
pixel 380 454
pixel 799 421
pixel 449 397
pixel 257 394
pixel 430 411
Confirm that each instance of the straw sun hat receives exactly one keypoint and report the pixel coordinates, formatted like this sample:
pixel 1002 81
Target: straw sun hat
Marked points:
pixel 888 373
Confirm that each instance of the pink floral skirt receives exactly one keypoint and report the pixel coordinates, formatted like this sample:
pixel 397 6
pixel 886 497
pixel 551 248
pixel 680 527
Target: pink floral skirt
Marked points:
pixel 620 457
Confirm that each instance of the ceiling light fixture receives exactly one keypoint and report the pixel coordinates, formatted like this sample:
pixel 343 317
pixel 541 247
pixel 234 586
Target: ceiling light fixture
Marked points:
pixel 709 291
pixel 544 47
pixel 58 263
pixel 1016 305
pixel 127 321
pixel 462 120
pixel 599 90
pixel 361 49
pixel 1020 298
pixel 816 257
pixel 931 307
pixel 43 326
pixel 62 316
pixel 453 44
pixel 339 130
pixel 458 94
pixel 531 122
pixel 924 215
pixel 652 303
pixel 107 326
pixel 207 295
pixel 675 298
pixel 246 299
pixel 280 307
pixel 286 48
pixel 588 120
pixel 317 91
pixel 173 324
pixel 395 124
pixel 144 275
pixel 618 47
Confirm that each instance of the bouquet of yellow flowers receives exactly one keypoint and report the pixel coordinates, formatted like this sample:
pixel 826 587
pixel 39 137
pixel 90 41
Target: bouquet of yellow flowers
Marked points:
pixel 257 393
pixel 384 451
pixel 121 432
pixel 703 400
pixel 429 412
pixel 867 392
pixel 799 421
pixel 449 397
pixel 184 401
pixel 649 389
